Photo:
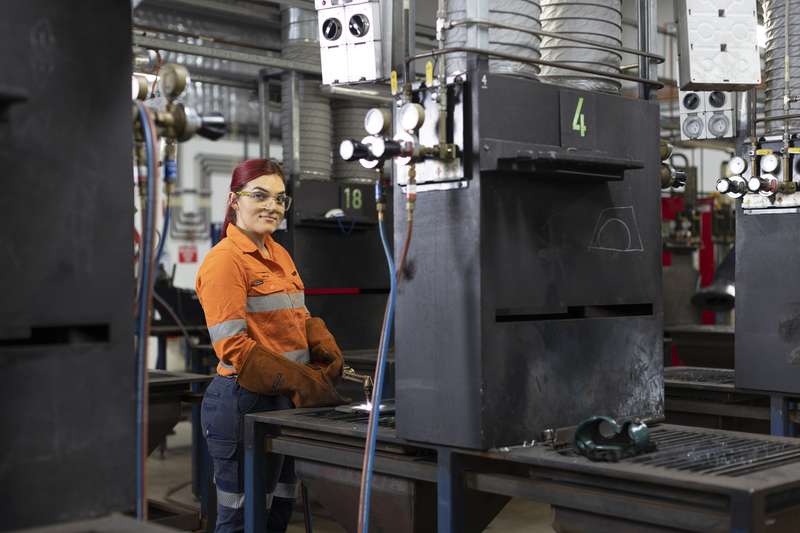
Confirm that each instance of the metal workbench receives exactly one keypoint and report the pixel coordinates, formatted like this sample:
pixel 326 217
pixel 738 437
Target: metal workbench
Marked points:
pixel 707 397
pixel 698 480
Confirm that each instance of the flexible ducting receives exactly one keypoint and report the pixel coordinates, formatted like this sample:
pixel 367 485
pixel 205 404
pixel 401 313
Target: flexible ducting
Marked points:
pixel 300 43
pixel 522 13
pixel 597 20
pixel 774 61
pixel 348 123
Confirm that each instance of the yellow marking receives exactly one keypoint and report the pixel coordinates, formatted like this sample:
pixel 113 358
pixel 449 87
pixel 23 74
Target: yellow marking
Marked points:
pixel 794 150
pixel 429 73
pixel 763 151
pixel 393 81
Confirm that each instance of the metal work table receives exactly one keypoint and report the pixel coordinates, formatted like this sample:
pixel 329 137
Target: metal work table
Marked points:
pixel 709 346
pixel 167 391
pixel 698 480
pixel 115 523
pixel 707 397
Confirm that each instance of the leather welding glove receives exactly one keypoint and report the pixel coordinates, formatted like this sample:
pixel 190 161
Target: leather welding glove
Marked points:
pixel 269 373
pixel 323 349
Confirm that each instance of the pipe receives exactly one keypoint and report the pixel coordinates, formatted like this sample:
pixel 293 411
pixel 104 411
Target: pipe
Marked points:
pixel 778 117
pixel 646 19
pixel 263 115
pixel 511 57
pixel 366 95
pixel 787 175
pixel 442 75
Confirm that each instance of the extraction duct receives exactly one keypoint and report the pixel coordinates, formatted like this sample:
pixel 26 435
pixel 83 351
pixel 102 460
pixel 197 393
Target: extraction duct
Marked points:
pixel 305 110
pixel 595 20
pixel 774 62
pixel 523 13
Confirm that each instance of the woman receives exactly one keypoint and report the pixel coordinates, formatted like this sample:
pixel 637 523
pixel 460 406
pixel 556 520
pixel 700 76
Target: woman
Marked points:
pixel 272 354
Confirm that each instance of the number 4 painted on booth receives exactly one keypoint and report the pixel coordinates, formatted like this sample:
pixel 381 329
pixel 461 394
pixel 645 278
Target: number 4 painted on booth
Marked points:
pixel 579 121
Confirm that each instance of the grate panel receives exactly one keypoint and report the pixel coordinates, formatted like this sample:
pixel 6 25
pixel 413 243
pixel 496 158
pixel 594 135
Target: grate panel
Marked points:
pixel 717 376
pixel 714 454
pixel 333 415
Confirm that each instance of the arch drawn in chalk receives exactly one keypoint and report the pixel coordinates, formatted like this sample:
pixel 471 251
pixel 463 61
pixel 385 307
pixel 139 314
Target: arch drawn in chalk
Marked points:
pixel 616 230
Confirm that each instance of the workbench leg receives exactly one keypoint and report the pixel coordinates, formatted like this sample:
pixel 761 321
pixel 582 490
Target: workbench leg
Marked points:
pixel 161 359
pixel 255 468
pixel 450 492
pixel 780 424
pixel 200 457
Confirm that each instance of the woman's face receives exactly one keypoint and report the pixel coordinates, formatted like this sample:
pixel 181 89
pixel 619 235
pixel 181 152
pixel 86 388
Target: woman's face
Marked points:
pixel 257 209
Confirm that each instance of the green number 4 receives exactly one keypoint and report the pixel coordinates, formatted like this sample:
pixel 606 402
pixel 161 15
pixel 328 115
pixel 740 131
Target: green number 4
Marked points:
pixel 578 121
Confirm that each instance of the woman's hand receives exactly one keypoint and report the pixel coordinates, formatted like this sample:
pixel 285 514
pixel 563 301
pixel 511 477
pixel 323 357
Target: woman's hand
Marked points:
pixel 324 351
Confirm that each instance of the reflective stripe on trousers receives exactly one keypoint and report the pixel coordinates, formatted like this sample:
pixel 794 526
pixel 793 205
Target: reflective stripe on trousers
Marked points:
pixel 235 500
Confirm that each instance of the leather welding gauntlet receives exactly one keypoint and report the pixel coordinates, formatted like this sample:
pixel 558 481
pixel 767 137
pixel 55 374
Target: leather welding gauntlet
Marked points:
pixel 269 373
pixel 323 348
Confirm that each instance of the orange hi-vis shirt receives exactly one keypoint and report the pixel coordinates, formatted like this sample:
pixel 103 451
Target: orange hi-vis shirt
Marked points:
pixel 250 299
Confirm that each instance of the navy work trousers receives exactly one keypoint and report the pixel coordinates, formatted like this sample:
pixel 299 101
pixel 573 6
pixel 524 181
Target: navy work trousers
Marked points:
pixel 224 405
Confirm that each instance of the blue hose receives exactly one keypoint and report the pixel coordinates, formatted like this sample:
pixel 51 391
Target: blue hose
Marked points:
pixel 145 281
pixel 170 176
pixel 164 231
pixel 379 374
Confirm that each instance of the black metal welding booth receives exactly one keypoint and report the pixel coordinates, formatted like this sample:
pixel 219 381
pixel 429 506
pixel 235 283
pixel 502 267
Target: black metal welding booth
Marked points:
pixel 66 290
pixel 536 295
pixel 767 327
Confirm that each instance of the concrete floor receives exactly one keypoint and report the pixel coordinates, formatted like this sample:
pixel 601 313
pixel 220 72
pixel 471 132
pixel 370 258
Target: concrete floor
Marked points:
pixel 169 481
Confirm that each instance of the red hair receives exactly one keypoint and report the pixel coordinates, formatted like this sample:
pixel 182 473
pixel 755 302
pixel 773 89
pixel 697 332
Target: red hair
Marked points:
pixel 245 172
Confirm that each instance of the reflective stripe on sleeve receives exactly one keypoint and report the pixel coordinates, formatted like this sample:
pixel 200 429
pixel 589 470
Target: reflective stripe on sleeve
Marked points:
pixel 231 500
pixel 226 329
pixel 275 302
pixel 298 299
pixel 298 356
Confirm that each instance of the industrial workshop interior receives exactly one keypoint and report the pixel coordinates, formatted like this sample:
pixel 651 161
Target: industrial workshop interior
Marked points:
pixel 400 266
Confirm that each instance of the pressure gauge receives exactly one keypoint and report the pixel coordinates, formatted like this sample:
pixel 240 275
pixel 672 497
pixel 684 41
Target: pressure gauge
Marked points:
pixel 377 121
pixel 738 186
pixel 412 116
pixel 737 166
pixel 693 127
pixel 370 162
pixel 350 150
pixel 769 163
pixel 173 80
pixel 718 125
pixel 723 185
pixel 139 87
